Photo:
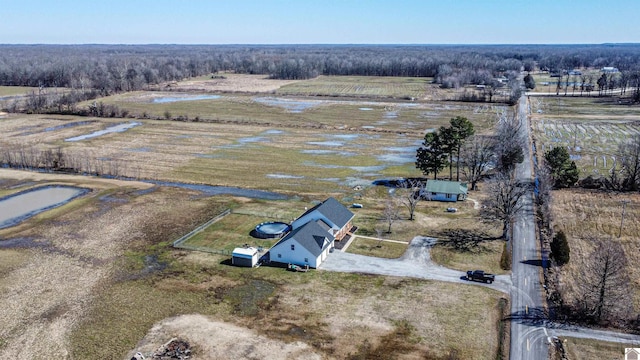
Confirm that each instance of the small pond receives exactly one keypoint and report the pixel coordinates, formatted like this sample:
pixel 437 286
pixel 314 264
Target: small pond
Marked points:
pixel 112 129
pixel 23 205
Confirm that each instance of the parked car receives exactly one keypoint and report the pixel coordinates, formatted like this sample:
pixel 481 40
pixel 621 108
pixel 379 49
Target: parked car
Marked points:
pixel 480 275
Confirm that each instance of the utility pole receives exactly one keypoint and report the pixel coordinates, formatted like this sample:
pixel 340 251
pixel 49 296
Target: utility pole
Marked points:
pixel 624 206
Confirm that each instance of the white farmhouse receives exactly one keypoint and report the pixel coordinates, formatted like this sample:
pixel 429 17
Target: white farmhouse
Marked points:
pixel 313 235
pixel 332 213
pixel 308 244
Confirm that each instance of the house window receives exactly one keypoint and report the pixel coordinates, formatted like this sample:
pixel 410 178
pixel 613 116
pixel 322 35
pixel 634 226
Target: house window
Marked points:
pixel 434 194
pixel 293 247
pixel 279 255
pixel 306 260
pixel 448 196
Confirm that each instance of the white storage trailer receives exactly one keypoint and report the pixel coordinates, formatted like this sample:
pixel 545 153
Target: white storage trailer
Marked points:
pixel 247 257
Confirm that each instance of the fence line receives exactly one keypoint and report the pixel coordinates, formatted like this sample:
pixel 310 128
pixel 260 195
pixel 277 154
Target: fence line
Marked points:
pixel 179 243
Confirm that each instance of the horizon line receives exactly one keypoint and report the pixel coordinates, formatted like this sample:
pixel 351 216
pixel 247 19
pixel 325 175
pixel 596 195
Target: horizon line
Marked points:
pixel 323 44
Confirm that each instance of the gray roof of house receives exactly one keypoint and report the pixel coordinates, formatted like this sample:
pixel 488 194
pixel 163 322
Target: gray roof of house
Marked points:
pixel 333 210
pixel 446 187
pixel 310 236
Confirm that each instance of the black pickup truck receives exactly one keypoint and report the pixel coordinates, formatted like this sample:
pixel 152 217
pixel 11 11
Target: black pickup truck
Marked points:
pixel 479 275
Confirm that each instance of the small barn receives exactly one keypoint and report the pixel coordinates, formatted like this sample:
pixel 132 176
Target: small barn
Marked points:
pixel 244 256
pixel 442 190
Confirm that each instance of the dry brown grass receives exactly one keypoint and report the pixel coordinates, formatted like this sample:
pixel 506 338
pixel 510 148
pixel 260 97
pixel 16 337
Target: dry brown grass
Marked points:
pixel 228 83
pixel 592 349
pixel 583 214
pixel 69 256
pixel 377 248
pixel 105 275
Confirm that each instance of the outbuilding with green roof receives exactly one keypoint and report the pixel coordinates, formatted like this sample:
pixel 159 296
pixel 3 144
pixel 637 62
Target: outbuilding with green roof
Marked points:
pixel 443 190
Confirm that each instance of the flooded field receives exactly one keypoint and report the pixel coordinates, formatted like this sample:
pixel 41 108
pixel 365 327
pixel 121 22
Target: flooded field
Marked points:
pixel 109 130
pixel 186 97
pixel 294 106
pixel 19 207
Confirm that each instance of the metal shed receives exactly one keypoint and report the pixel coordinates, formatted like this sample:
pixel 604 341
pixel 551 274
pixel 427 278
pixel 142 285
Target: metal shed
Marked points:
pixel 245 257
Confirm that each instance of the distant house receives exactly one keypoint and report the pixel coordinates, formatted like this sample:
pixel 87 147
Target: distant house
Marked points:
pixel 632 354
pixel 332 213
pixel 575 72
pixel 308 244
pixel 442 190
pixel 609 70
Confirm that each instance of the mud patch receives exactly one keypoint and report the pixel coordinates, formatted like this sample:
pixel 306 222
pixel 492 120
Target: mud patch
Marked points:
pixel 247 299
pixel 218 340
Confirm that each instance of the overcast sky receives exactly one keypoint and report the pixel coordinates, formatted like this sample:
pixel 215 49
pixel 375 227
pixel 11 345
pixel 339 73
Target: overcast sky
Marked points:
pixel 319 21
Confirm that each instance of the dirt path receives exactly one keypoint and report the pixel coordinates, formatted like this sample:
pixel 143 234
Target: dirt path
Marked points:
pixel 476 204
pixel 416 262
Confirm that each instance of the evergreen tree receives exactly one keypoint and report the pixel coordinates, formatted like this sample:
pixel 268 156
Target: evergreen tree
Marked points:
pixel 529 82
pixel 431 157
pixel 564 171
pixel 560 251
pixel 461 129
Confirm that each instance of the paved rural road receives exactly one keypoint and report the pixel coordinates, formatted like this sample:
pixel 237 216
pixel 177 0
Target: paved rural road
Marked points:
pixel 528 334
pixel 416 263
pixel 531 331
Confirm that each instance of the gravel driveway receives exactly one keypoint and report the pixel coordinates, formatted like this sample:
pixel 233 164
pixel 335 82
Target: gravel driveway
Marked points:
pixel 416 262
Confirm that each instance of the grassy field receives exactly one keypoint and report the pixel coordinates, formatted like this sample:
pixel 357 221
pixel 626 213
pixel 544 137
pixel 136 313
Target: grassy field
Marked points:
pixel 592 349
pixel 306 112
pixel 230 232
pixel 360 86
pixel 107 272
pixel 583 214
pixel 16 90
pixel 377 248
pixel 296 159
pixel 591 129
pixel 287 307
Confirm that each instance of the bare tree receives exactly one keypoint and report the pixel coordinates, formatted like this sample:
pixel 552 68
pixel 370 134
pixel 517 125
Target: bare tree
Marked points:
pixel 543 185
pixel 412 195
pixel 390 213
pixel 605 293
pixel 629 155
pixel 509 143
pixel 505 200
pixel 476 158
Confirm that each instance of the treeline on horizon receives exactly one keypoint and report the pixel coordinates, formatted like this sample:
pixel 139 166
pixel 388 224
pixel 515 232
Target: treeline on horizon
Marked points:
pixel 108 69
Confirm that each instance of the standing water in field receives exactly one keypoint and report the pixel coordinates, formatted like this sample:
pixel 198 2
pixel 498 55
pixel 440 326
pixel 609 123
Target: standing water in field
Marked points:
pixel 116 128
pixel 294 106
pixel 164 100
pixel 21 206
